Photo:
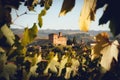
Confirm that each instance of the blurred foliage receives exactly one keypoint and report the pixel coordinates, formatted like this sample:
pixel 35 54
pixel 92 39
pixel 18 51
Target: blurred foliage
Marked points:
pixel 57 62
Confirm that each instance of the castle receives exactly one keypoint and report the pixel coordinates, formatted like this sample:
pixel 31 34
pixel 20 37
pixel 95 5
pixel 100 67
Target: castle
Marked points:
pixel 57 39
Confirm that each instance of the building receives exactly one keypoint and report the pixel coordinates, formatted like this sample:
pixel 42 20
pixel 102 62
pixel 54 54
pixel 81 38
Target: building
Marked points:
pixel 57 39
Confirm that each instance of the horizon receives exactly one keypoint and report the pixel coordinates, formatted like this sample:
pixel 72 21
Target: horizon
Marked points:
pixel 62 29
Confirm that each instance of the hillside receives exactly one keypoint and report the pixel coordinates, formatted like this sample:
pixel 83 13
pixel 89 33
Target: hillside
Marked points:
pixel 43 34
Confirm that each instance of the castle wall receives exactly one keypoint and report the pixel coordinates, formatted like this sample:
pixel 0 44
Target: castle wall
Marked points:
pixel 57 39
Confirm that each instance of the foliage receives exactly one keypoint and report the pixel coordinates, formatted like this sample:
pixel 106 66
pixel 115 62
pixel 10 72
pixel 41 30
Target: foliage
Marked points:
pixel 15 58
pixel 10 36
pixel 29 35
pixel 64 62
pixel 47 4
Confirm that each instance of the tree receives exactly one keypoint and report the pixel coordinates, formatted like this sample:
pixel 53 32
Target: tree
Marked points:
pixel 69 42
pixel 74 40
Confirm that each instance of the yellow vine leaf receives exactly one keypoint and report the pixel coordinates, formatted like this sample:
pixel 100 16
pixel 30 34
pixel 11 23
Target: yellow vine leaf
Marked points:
pixel 75 66
pixel 62 64
pixel 106 49
pixel 73 69
pixel 102 40
pixel 108 53
pixel 68 72
pixel 29 35
pixel 35 66
pixel 53 64
pixel 66 7
pixel 87 14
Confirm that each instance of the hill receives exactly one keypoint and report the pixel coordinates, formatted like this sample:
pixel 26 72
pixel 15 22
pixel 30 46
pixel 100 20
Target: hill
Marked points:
pixel 43 34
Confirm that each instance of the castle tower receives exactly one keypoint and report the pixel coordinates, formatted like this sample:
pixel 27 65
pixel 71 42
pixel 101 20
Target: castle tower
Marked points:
pixel 60 34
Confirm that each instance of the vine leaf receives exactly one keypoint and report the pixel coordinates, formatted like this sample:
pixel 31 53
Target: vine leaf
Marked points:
pixel 106 49
pixel 109 52
pixel 30 4
pixel 66 7
pixel 48 3
pixel 110 14
pixel 9 70
pixel 87 14
pixel 102 40
pixel 12 3
pixel 52 65
pixel 9 35
pixel 29 35
pixel 40 21
pixel 34 60
pixel 75 66
pixel 62 64
pixel 43 12
pixel 68 72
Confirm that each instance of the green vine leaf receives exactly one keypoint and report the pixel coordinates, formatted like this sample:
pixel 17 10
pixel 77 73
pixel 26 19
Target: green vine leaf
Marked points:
pixel 29 35
pixel 9 35
pixel 43 12
pixel 40 21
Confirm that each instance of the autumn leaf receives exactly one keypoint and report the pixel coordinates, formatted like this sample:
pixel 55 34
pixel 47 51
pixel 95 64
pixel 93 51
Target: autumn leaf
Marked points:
pixel 106 49
pixel 108 53
pixel 87 14
pixel 102 40
pixel 67 6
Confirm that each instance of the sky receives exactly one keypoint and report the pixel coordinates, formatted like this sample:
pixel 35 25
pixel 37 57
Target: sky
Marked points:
pixel 52 20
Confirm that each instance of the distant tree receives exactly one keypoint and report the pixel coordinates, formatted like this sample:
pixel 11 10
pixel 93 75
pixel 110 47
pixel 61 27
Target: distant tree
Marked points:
pixel 69 42
pixel 74 40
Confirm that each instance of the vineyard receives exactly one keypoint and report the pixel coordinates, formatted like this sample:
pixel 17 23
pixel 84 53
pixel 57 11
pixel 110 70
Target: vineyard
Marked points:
pixel 100 61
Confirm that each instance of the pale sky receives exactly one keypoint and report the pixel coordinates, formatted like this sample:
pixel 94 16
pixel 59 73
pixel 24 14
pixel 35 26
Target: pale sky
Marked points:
pixel 51 19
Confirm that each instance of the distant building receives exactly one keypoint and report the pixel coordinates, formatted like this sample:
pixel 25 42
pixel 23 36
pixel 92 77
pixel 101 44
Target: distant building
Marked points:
pixel 57 39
